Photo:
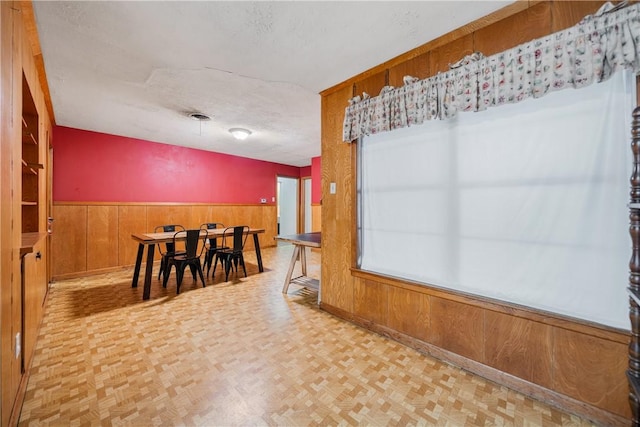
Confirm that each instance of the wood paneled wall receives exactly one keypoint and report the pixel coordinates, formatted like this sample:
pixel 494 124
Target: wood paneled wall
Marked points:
pixel 21 291
pixel 93 237
pixel 316 217
pixel 576 365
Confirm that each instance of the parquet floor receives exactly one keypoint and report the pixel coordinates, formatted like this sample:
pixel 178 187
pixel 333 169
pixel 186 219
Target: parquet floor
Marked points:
pixel 241 353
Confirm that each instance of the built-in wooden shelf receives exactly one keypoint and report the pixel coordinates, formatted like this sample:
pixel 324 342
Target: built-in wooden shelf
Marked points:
pixel 31 168
pixel 29 240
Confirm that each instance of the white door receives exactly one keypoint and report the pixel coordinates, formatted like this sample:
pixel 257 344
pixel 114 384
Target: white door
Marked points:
pixel 307 205
pixel 287 205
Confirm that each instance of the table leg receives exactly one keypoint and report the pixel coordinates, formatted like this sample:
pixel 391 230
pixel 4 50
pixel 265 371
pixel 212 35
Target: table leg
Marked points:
pixel 303 260
pixel 294 258
pixel 256 244
pixel 136 271
pixel 146 294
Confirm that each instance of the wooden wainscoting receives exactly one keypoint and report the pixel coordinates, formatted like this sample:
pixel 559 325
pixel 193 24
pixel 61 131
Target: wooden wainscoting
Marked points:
pixel 554 358
pixel 577 366
pixel 96 237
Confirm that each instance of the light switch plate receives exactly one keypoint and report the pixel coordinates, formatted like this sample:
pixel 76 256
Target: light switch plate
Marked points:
pixel 332 188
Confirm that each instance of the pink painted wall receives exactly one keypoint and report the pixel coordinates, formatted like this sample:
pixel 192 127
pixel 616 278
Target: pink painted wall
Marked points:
pixel 91 166
pixel 316 183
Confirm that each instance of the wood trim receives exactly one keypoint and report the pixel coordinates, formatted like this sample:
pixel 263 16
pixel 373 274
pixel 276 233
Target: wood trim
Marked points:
pixel 533 390
pixel 31 31
pixel 93 272
pixel 552 319
pixel 470 28
pixel 92 203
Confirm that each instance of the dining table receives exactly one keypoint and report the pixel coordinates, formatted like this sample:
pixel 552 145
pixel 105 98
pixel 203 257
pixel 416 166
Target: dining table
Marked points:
pixel 301 242
pixel 150 240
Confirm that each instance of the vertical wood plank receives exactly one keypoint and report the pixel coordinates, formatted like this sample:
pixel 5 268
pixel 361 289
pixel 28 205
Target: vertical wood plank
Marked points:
pixel 131 220
pixel 450 53
pixel 102 237
pixel 566 14
pixel 520 347
pixel 458 328
pixel 409 313
pixel 370 301
pixel 337 209
pixel 168 214
pixel 316 217
pixel 522 27
pixel 372 85
pixel 418 66
pixel 69 240
pixel 591 370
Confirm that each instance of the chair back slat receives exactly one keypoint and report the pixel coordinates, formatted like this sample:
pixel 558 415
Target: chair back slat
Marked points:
pixel 240 233
pixel 212 243
pixel 170 247
pixel 191 239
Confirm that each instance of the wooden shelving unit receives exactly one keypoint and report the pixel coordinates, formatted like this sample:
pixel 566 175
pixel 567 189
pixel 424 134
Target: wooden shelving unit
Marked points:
pixel 31 162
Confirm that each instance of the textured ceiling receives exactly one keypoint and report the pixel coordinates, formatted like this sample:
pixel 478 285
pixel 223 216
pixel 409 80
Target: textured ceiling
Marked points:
pixel 136 68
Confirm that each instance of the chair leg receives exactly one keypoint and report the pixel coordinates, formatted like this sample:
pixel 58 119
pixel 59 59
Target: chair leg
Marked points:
pixel 242 263
pixel 194 271
pixel 227 267
pixel 207 261
pixel 161 267
pixel 165 279
pixel 180 275
pixel 215 264
pixel 199 267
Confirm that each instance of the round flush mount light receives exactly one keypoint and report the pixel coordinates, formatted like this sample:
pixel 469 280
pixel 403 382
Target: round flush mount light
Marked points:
pixel 240 133
pixel 199 117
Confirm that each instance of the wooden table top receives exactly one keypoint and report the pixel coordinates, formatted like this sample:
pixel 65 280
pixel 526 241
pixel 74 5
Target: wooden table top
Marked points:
pixel 164 237
pixel 312 240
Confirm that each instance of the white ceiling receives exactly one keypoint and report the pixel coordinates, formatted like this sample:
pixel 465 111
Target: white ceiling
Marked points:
pixel 136 68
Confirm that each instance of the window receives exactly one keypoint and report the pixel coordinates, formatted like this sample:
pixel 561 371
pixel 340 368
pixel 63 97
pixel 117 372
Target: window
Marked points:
pixel 524 203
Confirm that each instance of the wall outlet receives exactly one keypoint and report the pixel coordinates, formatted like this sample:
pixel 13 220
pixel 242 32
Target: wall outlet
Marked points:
pixel 273 199
pixel 263 200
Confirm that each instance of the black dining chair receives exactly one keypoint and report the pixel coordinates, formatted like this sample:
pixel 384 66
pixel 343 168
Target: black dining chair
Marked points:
pixel 212 245
pixel 234 252
pixel 169 249
pixel 194 242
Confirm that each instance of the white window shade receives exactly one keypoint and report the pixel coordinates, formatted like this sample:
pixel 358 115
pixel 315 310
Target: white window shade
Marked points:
pixel 525 203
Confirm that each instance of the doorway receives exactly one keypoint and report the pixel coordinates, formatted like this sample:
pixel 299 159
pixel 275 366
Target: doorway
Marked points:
pixel 287 205
pixel 305 207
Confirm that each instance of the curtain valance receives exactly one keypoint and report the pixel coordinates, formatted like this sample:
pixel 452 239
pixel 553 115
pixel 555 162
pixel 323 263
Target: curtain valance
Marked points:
pixel 586 53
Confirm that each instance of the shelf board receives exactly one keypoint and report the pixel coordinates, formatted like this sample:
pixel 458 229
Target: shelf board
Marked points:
pixel 28 138
pixel 306 282
pixel 31 168
pixel 26 203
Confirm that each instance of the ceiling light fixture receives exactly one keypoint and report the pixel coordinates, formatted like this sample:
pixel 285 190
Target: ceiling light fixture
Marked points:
pixel 240 133
pixel 199 117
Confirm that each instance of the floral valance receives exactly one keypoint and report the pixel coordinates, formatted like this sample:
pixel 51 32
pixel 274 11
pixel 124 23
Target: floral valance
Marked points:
pixel 586 53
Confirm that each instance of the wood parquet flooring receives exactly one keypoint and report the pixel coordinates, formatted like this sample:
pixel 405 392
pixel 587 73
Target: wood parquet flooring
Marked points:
pixel 242 353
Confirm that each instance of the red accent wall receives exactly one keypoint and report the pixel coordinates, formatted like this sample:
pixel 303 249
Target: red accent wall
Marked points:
pixel 316 183
pixel 305 171
pixel 91 166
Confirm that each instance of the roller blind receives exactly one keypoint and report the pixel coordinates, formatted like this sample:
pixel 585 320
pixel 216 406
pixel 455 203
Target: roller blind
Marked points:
pixel 525 203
